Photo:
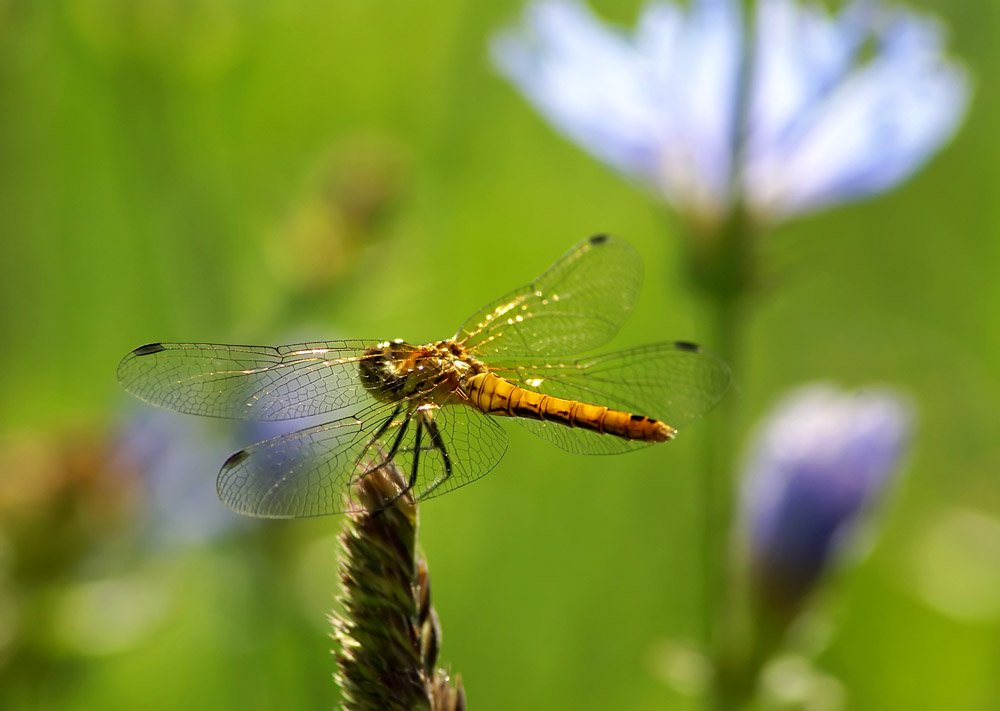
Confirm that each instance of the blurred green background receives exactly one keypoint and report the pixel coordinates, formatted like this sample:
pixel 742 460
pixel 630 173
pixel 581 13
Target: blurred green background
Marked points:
pixel 252 172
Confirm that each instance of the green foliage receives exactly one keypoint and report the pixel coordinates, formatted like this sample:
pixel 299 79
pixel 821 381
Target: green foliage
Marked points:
pixel 266 172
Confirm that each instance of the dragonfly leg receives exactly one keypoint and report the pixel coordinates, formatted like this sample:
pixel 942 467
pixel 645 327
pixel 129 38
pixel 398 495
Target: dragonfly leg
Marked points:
pixel 390 455
pixel 416 454
pixel 396 442
pixel 371 442
pixel 385 425
pixel 437 443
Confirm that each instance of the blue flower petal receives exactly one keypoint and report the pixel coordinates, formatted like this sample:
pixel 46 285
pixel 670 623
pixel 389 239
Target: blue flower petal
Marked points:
pixel 178 460
pixel 657 107
pixel 861 133
pixel 588 81
pixel 817 463
pixel 692 62
pixel 841 107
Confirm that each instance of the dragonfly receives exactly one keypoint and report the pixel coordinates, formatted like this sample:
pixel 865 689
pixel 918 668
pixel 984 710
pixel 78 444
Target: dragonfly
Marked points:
pixel 432 411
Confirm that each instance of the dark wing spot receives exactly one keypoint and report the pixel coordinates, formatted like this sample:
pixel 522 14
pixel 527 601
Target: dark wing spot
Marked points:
pixel 687 346
pixel 149 349
pixel 598 239
pixel 235 459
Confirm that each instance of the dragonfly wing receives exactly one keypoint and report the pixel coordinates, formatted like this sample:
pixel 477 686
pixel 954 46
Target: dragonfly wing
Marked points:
pixel 579 441
pixel 312 472
pixel 671 382
pixel 248 382
pixel 309 472
pixel 472 442
pixel 578 304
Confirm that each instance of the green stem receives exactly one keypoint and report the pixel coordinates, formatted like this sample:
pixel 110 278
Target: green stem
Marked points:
pixel 721 265
pixel 717 485
pixel 723 268
pixel 726 285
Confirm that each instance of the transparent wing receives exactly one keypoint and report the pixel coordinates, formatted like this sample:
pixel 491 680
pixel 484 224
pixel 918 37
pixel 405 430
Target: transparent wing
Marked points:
pixel 672 382
pixel 304 473
pixel 578 304
pixel 248 382
pixel 312 472
pixel 577 441
pixel 473 444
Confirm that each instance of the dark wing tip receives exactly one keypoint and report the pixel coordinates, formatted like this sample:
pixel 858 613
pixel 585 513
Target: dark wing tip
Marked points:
pixel 687 346
pixel 235 459
pixel 149 349
pixel 599 239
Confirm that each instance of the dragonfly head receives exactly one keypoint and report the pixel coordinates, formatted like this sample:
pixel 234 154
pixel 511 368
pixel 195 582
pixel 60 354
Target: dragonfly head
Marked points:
pixel 385 368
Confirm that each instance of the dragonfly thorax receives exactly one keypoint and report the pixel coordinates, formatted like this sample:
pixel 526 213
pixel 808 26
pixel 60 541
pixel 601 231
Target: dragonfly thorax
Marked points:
pixel 393 371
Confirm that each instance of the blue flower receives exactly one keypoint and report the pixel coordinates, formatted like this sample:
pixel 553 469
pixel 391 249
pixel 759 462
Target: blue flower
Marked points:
pixel 838 107
pixel 177 458
pixel 817 463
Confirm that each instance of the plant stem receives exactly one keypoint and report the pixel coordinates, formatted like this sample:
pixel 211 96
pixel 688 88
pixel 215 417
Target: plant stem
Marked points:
pixel 724 269
pixel 717 485
pixel 724 630
pixel 388 631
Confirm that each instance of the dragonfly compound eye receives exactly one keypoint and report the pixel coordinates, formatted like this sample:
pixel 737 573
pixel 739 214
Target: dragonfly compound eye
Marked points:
pixel 380 372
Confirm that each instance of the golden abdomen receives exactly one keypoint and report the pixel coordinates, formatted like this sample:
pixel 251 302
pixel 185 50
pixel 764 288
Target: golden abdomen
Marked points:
pixel 496 396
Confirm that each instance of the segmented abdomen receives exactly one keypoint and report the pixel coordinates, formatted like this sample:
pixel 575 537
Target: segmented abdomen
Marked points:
pixel 496 396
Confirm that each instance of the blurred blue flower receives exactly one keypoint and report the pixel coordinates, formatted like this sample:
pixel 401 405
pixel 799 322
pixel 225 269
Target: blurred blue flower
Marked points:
pixel 816 464
pixel 838 107
pixel 176 458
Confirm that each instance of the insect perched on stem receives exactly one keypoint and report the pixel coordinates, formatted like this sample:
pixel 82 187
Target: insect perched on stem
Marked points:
pixel 433 408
